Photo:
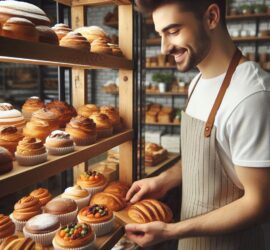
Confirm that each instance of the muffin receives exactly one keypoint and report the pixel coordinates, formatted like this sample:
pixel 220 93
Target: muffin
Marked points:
pixel 87 110
pixel 65 209
pixel 61 30
pixel 103 124
pixel 79 195
pixel 6 159
pixel 82 130
pixel 114 117
pixel 99 217
pixel 117 188
pixel 42 228
pixel 30 151
pixel 92 181
pixel 47 116
pixel 76 236
pixel 59 143
pixel 15 242
pixel 26 208
pixel 38 129
pixel 7 227
pixel 31 105
pixel 42 194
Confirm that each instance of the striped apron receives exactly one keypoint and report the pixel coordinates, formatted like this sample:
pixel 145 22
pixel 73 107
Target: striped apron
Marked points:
pixel 206 185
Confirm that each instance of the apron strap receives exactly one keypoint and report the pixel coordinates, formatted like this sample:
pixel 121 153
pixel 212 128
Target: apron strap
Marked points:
pixel 232 67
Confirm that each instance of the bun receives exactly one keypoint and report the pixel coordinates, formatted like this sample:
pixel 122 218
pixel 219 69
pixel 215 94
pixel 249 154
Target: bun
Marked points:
pixel 114 117
pixel 103 124
pixel 87 110
pixel 117 188
pixel 31 105
pixel 61 30
pixel 37 129
pixel 149 210
pixel 92 33
pixel 5 161
pixel 101 46
pixel 47 35
pixel 42 194
pixel 7 227
pixel 75 41
pixel 47 116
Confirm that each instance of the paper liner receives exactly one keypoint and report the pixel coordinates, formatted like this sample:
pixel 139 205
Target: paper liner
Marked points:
pixel 60 151
pixel 44 239
pixel 67 218
pixel 18 224
pixel 85 141
pixel 94 190
pixel 31 160
pixel 104 132
pixel 90 246
pixel 83 202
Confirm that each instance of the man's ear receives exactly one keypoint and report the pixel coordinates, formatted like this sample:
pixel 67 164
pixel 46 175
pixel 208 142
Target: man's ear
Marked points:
pixel 212 16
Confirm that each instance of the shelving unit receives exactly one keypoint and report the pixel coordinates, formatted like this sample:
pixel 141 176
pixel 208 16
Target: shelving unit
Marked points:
pixel 163 124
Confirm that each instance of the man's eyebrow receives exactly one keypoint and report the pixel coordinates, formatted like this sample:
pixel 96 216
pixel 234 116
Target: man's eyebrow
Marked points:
pixel 173 25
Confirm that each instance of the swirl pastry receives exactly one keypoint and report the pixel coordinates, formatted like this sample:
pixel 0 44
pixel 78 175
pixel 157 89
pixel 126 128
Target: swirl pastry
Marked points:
pixel 114 117
pixel 100 45
pixel 154 154
pixel 103 124
pixel 149 210
pixel 75 41
pixel 7 227
pixel 32 105
pixel 47 116
pixel 61 30
pixel 38 129
pixel 82 130
pixel 14 242
pixel 87 110
pixel 5 161
pixel 93 32
pixel 117 188
pixel 42 194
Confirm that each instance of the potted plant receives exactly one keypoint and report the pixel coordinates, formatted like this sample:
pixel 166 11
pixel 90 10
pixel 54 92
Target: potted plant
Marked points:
pixel 259 8
pixel 246 9
pixel 163 80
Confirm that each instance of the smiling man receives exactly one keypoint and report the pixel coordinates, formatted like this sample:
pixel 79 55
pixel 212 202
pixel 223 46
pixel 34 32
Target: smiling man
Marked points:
pixel 225 135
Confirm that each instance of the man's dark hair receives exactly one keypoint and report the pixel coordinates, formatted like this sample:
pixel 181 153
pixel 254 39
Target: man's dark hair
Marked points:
pixel 195 6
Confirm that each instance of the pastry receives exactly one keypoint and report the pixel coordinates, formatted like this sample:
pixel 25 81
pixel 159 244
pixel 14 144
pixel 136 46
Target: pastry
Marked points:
pixel 116 51
pixel 76 236
pixel 11 117
pixel 75 41
pixel 154 154
pixel 59 143
pixel 42 228
pixel 6 164
pixel 99 217
pixel 87 110
pixel 20 28
pixel 80 195
pixel 103 124
pixel 47 35
pixel 100 45
pixel 15 243
pixel 114 117
pixel 151 117
pixel 7 227
pixel 38 129
pixel 31 105
pixel 9 138
pixel 42 194
pixel 164 117
pixel 155 107
pixel 82 130
pixel 30 151
pixel 92 181
pixel 61 30
pixel 117 188
pixel 111 201
pixel 149 210
pixel 65 209
pixel 93 32
pixel 47 116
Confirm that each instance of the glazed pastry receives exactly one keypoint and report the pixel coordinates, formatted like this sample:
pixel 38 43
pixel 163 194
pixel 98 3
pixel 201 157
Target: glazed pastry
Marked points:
pixel 6 164
pixel 7 227
pixel 9 138
pixel 31 105
pixel 114 117
pixel 47 116
pixel 47 35
pixel 82 130
pixel 154 154
pixel 75 41
pixel 103 124
pixel 15 243
pixel 42 194
pixel 87 110
pixel 111 201
pixel 37 129
pixel 20 28
pixel 73 236
pixel 11 117
pixel 93 32
pixel 117 188
pixel 149 210
pixel 61 30
pixel 101 46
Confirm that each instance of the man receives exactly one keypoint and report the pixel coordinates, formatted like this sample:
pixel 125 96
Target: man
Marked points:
pixel 225 135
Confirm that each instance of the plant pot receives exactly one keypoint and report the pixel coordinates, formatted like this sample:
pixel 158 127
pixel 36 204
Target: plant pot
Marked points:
pixel 162 87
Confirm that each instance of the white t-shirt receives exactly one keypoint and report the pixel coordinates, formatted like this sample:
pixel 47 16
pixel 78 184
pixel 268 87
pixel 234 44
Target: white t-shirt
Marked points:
pixel 243 119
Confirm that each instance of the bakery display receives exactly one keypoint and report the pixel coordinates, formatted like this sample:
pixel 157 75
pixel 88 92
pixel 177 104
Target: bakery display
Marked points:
pixel 47 35
pixel 151 116
pixel 164 117
pixel 61 30
pixel 75 40
pixel 76 236
pixel 111 201
pixel 38 129
pixel 154 154
pixel 109 169
pixel 48 116
pixel 30 151
pixel 59 143
pixel 42 194
pixel 92 33
pixel 6 159
pixel 114 117
pixel 9 138
pixel 149 210
pixel 31 105
pixel 7 227
pixel 117 188
pixel 82 130
pixel 100 45
pixel 99 217
pixel 15 242
pixel 87 110
pixel 42 228
pixel 104 126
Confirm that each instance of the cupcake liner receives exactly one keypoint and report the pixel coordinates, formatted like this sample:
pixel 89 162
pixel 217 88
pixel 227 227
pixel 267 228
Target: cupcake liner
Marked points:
pixel 60 151
pixel 31 160
pixel 18 224
pixel 67 218
pixel 94 190
pixel 117 128
pixel 44 239
pixel 85 141
pixel 90 246
pixel 107 132
pixel 83 202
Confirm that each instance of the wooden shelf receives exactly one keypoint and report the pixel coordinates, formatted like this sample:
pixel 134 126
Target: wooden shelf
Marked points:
pixel 184 93
pixel 250 16
pixel 92 2
pixel 17 51
pixel 163 124
pixel 251 39
pixel 24 176
pixel 161 67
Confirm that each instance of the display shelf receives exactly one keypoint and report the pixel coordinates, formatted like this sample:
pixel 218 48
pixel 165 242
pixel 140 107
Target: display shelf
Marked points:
pixel 184 93
pixel 250 16
pixel 251 39
pixel 17 51
pixel 92 2
pixel 163 124
pixel 161 67
pixel 24 176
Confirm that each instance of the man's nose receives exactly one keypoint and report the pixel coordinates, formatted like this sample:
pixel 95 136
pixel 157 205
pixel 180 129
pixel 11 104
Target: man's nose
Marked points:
pixel 166 47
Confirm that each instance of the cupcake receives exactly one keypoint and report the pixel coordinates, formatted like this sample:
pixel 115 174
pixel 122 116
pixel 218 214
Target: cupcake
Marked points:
pixel 48 116
pixel 99 217
pixel 30 151
pixel 76 236
pixel 42 228
pixel 9 138
pixel 92 181
pixel 42 194
pixel 103 124
pixel 6 161
pixel 114 117
pixel 59 143
pixel 65 209
pixel 79 195
pixel 7 227
pixel 82 130
pixel 26 208
pixel 38 129
pixel 31 105
pixel 87 110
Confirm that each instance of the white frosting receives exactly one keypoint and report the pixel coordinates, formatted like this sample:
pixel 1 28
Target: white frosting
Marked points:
pixel 42 221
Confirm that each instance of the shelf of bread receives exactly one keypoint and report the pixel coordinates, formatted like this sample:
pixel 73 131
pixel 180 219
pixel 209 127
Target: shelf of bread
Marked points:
pixel 92 2
pixel 24 176
pixel 251 39
pixel 248 16
pixel 18 51
pixel 163 124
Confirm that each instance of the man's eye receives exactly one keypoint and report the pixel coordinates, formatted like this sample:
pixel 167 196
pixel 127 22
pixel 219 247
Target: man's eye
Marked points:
pixel 173 32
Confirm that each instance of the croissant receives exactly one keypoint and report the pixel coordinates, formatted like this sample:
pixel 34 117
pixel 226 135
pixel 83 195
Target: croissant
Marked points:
pixel 149 210
pixel 118 188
